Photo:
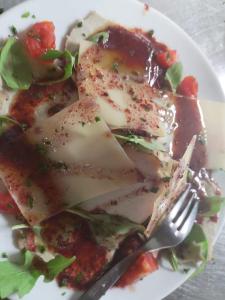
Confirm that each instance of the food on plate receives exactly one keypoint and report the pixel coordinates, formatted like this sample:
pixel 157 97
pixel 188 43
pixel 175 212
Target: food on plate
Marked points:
pixel 97 141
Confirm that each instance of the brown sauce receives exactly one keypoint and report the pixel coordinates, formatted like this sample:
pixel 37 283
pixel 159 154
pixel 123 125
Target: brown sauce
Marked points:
pixel 188 118
pixel 136 50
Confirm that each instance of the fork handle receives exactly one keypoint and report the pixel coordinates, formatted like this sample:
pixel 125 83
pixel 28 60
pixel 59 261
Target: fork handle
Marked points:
pixel 108 279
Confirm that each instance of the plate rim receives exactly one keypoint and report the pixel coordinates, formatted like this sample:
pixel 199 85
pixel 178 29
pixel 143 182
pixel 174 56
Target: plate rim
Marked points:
pixel 197 48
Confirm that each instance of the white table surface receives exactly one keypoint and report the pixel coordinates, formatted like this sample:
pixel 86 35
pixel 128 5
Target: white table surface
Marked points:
pixel 204 21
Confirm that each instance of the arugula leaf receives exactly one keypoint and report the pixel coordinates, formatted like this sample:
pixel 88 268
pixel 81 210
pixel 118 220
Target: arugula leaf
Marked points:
pixel 20 279
pixel 17 278
pixel 107 228
pixel 5 120
pixel 173 260
pixel 99 37
pixel 211 206
pixel 195 247
pixel 69 64
pixel 14 65
pixel 174 75
pixel 152 146
pixel 57 265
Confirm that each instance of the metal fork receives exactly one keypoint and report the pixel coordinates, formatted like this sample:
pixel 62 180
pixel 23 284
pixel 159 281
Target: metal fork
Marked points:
pixel 171 232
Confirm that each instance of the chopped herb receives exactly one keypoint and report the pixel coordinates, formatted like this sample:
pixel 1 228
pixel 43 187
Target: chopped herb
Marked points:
pixel 97 119
pixel 4 255
pixel 79 277
pixel 41 248
pixel 115 66
pixel 63 282
pixel 63 294
pixel 154 189
pixel 30 201
pixel 101 37
pixel 166 179
pixel 1 10
pixel 83 34
pixel 33 16
pixel 13 30
pixel 150 33
pixel 80 24
pixel 41 149
pixel 25 15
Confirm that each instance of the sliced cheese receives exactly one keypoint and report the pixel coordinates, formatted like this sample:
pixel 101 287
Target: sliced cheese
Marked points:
pixel 124 103
pixel 92 23
pixel 85 160
pixel 214 119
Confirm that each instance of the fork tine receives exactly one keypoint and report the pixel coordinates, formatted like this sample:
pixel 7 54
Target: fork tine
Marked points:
pixel 184 214
pixel 189 221
pixel 177 207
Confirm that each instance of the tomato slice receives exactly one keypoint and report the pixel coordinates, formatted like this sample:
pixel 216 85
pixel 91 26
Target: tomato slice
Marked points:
pixel 144 265
pixel 188 87
pixel 166 58
pixel 40 38
pixel 8 205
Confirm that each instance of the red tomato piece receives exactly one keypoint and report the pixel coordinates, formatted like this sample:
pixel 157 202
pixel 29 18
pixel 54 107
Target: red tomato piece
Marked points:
pixel 188 87
pixel 30 241
pixel 166 58
pixel 8 205
pixel 40 38
pixel 144 265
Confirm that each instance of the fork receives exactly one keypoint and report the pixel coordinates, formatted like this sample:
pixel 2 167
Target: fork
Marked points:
pixel 170 233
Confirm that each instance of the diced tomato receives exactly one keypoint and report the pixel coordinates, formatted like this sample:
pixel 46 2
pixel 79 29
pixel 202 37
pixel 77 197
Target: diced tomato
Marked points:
pixel 30 239
pixel 40 38
pixel 144 265
pixel 8 205
pixel 166 58
pixel 188 87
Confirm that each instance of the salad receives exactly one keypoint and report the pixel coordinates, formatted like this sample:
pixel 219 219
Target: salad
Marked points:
pixel 97 141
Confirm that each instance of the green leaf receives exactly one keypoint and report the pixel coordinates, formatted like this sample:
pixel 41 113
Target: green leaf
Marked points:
pixel 5 121
pixel 211 206
pixel 173 260
pixel 20 279
pixel 174 75
pixel 107 228
pixel 57 265
pixel 99 37
pixel 16 278
pixel 14 65
pixel 152 146
pixel 195 248
pixel 69 62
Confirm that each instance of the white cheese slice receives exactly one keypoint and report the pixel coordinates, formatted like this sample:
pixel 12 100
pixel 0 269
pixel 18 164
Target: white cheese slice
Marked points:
pixel 214 119
pixel 124 103
pixel 92 23
pixel 86 162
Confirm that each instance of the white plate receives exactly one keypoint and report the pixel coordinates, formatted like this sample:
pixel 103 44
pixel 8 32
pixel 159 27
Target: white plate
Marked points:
pixel 130 13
